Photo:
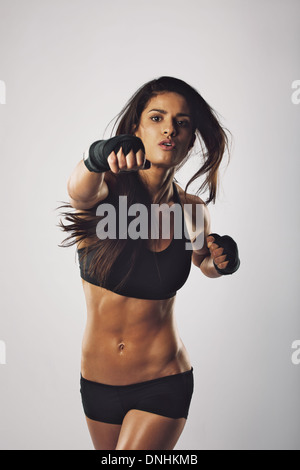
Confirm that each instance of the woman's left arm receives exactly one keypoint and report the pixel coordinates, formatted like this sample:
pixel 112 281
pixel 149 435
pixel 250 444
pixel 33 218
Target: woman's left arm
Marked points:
pixel 203 257
pixel 219 255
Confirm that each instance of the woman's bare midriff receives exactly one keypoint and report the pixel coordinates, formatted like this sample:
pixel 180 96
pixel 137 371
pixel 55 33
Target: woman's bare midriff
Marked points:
pixel 129 340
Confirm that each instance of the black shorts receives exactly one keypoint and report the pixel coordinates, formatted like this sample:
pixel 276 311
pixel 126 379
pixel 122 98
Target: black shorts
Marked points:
pixel 168 396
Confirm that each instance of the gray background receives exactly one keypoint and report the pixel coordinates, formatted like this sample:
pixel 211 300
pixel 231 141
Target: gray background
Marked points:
pixel 69 67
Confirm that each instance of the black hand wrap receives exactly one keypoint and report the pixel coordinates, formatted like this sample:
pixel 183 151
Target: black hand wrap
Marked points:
pixel 230 249
pixel 99 151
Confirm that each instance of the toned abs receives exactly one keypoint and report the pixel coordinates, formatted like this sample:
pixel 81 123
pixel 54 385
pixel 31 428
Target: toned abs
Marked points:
pixel 129 340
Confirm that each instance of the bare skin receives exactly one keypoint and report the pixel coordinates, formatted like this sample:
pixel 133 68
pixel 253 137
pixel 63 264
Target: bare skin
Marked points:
pixel 129 340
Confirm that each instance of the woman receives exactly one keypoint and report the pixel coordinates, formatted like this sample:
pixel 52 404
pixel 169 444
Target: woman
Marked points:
pixel 136 375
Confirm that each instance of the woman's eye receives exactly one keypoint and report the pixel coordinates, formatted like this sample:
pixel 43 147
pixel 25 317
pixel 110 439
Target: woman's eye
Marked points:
pixel 179 123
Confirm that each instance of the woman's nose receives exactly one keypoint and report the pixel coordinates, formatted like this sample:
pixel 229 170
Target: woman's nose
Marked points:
pixel 169 129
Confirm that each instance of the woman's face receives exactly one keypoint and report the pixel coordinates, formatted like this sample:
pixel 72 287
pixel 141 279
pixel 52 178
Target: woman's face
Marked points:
pixel 167 119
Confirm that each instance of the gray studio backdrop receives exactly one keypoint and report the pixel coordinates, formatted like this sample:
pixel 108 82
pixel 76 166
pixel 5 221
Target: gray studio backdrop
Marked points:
pixel 67 67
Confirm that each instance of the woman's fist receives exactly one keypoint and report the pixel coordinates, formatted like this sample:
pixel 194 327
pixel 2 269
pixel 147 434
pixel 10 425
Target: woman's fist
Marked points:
pixel 217 253
pixel 224 252
pixel 131 162
pixel 123 152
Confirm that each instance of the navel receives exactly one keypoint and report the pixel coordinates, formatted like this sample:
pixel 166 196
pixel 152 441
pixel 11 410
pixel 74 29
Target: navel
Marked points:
pixel 121 347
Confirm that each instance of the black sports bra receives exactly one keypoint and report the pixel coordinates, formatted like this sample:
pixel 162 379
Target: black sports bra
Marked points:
pixel 155 275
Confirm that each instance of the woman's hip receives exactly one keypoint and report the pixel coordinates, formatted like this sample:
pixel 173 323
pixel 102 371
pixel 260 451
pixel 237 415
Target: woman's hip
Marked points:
pixel 168 396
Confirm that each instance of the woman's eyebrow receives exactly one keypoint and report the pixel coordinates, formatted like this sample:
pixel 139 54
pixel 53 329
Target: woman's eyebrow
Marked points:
pixel 165 112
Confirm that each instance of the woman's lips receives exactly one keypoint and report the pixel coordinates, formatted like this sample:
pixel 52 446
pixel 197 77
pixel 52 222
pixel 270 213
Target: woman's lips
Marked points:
pixel 171 146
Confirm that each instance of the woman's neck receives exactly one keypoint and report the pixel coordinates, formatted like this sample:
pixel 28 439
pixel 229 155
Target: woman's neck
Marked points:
pixel 158 181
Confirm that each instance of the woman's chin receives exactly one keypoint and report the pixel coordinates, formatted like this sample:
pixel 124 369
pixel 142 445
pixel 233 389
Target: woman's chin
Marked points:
pixel 165 161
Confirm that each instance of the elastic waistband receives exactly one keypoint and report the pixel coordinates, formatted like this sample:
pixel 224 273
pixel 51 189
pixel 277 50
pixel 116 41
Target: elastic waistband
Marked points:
pixel 146 382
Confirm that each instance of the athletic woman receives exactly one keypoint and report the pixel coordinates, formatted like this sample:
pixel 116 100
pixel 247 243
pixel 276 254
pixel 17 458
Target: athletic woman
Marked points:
pixel 136 375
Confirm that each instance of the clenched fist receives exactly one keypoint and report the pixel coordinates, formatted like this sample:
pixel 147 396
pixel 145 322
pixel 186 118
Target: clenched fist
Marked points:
pixel 224 252
pixel 123 152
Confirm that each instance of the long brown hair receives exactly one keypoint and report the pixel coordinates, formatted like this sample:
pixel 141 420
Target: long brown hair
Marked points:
pixel 213 142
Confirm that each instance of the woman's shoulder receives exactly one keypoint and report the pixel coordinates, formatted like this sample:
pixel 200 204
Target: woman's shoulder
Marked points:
pixel 188 198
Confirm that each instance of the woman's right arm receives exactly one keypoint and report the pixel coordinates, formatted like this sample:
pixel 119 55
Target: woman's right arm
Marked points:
pixel 86 188
pixel 86 185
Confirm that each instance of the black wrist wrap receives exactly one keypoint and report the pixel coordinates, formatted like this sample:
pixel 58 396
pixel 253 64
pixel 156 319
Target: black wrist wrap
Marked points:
pixel 231 252
pixel 100 150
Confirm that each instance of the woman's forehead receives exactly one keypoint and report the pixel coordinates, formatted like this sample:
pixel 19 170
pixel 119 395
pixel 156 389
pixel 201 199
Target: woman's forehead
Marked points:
pixel 168 101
